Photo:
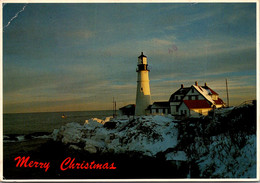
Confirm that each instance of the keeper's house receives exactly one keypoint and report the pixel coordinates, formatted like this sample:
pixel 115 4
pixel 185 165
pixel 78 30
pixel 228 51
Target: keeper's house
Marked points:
pixel 160 108
pixel 194 101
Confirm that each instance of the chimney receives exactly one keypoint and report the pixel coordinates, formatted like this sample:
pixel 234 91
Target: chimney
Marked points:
pixel 196 83
pixel 206 84
pixel 182 86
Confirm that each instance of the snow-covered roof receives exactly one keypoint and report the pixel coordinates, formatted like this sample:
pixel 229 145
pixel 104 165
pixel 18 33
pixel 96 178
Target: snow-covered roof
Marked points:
pixel 210 90
pixel 204 92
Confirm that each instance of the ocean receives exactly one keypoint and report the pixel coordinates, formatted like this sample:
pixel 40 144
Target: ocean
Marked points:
pixel 18 126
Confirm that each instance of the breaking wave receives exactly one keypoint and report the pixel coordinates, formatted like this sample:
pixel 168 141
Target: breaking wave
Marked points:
pixel 21 138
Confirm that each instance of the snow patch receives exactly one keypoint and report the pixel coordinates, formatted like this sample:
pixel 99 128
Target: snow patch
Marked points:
pixel 146 134
pixel 228 161
pixel 176 156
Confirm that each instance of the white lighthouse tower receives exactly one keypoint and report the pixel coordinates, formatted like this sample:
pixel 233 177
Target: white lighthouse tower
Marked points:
pixel 143 95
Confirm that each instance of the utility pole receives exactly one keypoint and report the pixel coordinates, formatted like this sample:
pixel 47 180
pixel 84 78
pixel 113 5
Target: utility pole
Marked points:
pixel 227 93
pixel 114 107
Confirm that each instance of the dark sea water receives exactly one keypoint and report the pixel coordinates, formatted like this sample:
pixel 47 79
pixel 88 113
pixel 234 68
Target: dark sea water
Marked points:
pixel 45 122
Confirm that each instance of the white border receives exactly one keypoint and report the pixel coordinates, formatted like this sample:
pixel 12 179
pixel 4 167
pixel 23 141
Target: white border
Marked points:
pixel 131 180
pixel 129 1
pixel 1 98
pixel 257 92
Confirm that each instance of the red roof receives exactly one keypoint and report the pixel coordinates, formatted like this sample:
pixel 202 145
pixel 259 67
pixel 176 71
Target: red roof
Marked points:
pixel 219 101
pixel 195 104
pixel 213 92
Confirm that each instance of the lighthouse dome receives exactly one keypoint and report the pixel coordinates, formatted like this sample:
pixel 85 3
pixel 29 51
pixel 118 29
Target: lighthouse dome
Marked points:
pixel 142 55
pixel 142 59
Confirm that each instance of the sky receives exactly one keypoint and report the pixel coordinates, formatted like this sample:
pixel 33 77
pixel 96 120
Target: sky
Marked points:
pixel 77 57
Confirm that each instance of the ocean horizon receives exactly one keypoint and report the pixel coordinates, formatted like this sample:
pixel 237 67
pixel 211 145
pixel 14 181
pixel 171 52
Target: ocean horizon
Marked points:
pixel 26 123
pixel 55 111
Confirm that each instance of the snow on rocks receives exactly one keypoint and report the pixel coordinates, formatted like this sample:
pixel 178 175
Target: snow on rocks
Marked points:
pixel 176 156
pixel 223 111
pixel 216 155
pixel 70 133
pixel 145 134
pixel 228 160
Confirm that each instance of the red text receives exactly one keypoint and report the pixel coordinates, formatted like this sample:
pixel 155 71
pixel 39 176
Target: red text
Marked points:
pixel 69 164
pixel 24 162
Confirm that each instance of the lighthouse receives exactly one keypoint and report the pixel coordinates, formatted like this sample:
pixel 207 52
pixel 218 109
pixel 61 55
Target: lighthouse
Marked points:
pixel 143 95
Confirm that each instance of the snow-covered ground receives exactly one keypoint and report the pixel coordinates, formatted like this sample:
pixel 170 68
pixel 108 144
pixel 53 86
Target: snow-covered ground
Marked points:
pixel 223 159
pixel 147 135
pixel 231 152
pixel 216 156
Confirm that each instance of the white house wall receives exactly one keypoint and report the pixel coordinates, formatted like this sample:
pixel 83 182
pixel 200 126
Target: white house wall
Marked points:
pixel 193 112
pixel 219 105
pixel 173 106
pixel 175 103
pixel 183 107
pixel 166 111
pixel 178 97
pixel 160 111
pixel 173 109
pixel 199 112
pixel 193 94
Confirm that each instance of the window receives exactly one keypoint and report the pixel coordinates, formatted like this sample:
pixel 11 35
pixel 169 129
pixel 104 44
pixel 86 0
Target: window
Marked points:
pixel 176 98
pixel 190 97
pixel 157 110
pixel 196 97
pixel 192 90
pixel 200 111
